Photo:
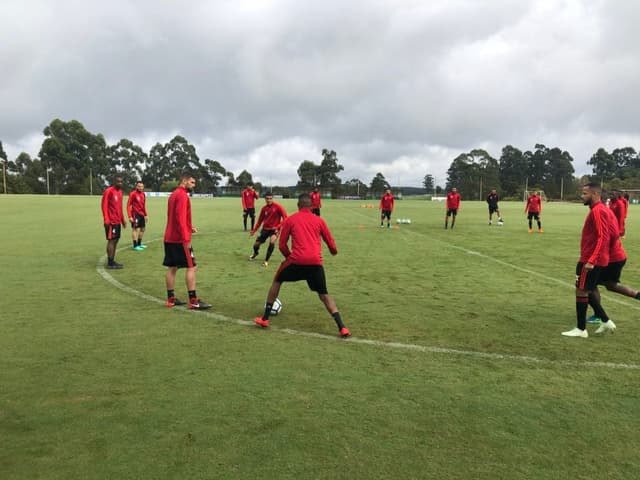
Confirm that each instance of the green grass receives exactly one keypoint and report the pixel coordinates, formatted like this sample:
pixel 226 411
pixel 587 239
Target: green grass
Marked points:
pixel 456 368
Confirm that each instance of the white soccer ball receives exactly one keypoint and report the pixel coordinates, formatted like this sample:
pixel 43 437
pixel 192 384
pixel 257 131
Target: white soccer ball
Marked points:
pixel 276 307
pixel 500 224
pixel 408 220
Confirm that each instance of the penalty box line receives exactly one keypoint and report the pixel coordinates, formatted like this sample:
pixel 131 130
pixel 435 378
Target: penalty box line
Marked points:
pixel 362 341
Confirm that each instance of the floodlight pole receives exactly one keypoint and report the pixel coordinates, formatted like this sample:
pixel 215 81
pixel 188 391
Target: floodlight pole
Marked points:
pixel 4 175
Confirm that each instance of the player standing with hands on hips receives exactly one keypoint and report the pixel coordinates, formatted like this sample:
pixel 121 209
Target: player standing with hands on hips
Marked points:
pixel 533 209
pixel 249 197
pixel 316 201
pixel 304 260
pixel 492 202
pixel 113 220
pixel 387 204
pixel 137 212
pixel 178 252
pixel 453 204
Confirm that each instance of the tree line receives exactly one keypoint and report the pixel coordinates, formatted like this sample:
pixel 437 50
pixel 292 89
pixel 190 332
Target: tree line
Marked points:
pixel 73 160
pixel 543 168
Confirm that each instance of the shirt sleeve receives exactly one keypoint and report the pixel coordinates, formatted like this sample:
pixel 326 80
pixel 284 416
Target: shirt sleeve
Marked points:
pixel 602 245
pixel 283 240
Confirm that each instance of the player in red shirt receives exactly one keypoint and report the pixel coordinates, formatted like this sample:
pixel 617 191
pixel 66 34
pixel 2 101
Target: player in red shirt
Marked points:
pixel 249 197
pixel 594 258
pixel 113 220
pixel 271 215
pixel 304 260
pixel 533 209
pixel 137 213
pixel 617 206
pixel 452 205
pixel 316 201
pixel 178 252
pixel 387 204
pixel 625 201
pixel 610 276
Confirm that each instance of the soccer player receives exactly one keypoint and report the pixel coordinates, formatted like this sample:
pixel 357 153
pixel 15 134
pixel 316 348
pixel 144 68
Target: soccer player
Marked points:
pixel 387 204
pixel 137 212
pixel 594 257
pixel 625 200
pixel 272 215
pixel 452 205
pixel 113 220
pixel 610 276
pixel 304 260
pixel 249 197
pixel 178 252
pixel 618 207
pixel 316 201
pixel 533 209
pixel 492 202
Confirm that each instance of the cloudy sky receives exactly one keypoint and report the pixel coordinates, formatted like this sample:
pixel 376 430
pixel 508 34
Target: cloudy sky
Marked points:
pixel 399 87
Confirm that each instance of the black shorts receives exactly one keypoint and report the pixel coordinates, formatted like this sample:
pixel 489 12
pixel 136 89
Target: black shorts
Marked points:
pixel 315 211
pixel 249 211
pixel 386 214
pixel 534 215
pixel 178 255
pixel 313 274
pixel 611 273
pixel 138 221
pixel 587 279
pixel 452 211
pixel 264 234
pixel 493 208
pixel 112 231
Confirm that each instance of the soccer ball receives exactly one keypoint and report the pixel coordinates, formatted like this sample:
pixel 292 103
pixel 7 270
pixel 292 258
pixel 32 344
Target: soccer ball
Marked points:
pixel 276 307
pixel 500 224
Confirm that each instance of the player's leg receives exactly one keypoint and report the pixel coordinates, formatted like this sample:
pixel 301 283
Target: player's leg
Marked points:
pixel 539 222
pixel 446 219
pixel 530 217
pixel 270 248
pixel 586 281
pixel 252 214
pixel 245 214
pixel 140 235
pixel 256 246
pixel 134 234
pixel 454 214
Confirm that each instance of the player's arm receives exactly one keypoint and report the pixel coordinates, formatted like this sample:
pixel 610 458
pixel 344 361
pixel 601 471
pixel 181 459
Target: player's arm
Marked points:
pixel 328 239
pixel 283 241
pixel 129 206
pixel 105 209
pixel 602 245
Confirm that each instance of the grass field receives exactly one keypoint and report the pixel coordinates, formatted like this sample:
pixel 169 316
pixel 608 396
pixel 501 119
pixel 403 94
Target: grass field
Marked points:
pixel 456 368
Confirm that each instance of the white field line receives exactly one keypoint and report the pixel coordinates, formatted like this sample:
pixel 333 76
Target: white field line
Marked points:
pixel 361 341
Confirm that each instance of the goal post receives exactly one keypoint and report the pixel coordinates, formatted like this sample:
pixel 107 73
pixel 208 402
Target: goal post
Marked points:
pixel 530 192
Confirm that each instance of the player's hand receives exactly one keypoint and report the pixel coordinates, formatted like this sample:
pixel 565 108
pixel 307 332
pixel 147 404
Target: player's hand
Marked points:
pixel 124 225
pixel 251 233
pixel 588 266
pixel 131 219
pixel 194 230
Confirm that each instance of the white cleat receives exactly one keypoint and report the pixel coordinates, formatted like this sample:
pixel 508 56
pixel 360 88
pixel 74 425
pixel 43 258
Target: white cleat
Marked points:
pixel 606 327
pixel 576 332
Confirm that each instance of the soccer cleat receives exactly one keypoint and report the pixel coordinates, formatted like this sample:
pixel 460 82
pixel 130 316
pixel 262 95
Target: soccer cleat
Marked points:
pixel 344 332
pixel 530 231
pixel 500 223
pixel 593 319
pixel 576 332
pixel 260 322
pixel 139 248
pixel 174 302
pixel 490 222
pixel 142 246
pixel 265 264
pixel 115 266
pixel 540 230
pixel 196 304
pixel 606 327
pixel 252 256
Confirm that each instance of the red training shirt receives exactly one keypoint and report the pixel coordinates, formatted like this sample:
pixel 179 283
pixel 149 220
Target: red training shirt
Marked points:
pixel 305 230
pixel 179 227
pixel 137 204
pixel 617 207
pixel 616 252
pixel 112 212
pixel 534 204
pixel 453 201
pixel 316 199
pixel 272 215
pixel 387 202
pixel 249 197
pixel 594 245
